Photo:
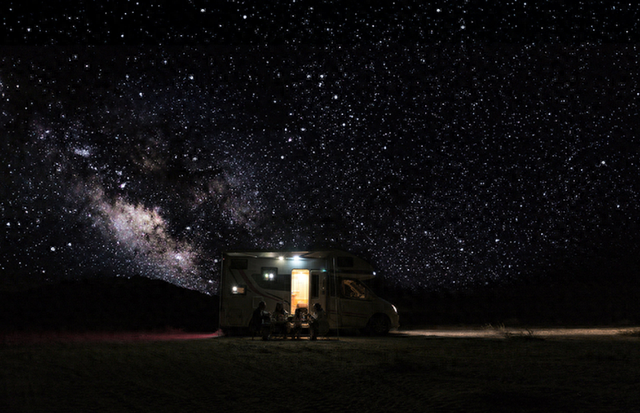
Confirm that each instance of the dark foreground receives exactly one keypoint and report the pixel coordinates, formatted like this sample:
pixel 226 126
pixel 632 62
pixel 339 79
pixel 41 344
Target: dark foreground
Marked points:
pixel 396 373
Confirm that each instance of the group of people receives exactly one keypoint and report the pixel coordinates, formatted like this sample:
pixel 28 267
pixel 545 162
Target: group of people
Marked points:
pixel 279 322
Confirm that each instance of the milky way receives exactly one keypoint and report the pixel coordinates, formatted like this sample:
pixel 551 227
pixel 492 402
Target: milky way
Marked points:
pixel 446 164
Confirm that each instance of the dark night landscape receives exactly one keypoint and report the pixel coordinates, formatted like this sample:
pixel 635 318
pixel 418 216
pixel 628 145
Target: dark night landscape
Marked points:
pixel 483 158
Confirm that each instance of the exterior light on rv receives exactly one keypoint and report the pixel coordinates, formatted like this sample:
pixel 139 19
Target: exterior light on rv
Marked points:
pixel 281 258
pixel 238 290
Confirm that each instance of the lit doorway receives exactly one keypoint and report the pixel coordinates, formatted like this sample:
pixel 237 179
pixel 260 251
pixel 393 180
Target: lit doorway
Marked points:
pixel 299 289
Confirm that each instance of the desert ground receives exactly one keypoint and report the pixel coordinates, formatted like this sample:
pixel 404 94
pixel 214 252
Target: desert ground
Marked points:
pixel 493 371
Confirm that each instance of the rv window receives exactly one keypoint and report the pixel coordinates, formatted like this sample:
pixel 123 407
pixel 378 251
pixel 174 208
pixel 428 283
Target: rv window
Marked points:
pixel 354 289
pixel 239 264
pixel 269 273
pixel 281 282
pixel 332 287
pixel 344 262
pixel 315 285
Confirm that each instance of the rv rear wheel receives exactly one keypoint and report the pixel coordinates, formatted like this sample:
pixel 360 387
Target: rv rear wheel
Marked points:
pixel 379 325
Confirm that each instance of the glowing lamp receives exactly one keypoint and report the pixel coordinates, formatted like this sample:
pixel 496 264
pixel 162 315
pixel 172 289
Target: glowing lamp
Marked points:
pixel 238 290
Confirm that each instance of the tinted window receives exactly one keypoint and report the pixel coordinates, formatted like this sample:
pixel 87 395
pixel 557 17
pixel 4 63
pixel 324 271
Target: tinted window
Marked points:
pixel 315 285
pixel 354 289
pixel 281 282
pixel 269 273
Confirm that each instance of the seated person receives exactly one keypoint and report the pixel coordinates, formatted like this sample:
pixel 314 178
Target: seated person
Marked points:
pixel 279 317
pixel 299 317
pixel 261 321
pixel 319 323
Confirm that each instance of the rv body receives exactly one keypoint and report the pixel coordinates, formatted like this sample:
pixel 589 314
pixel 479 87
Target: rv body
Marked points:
pixel 300 279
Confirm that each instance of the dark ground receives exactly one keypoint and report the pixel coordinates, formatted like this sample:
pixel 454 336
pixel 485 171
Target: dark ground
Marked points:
pixel 94 346
pixel 398 373
pixel 141 304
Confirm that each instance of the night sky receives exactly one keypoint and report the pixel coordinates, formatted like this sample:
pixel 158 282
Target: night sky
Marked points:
pixel 451 144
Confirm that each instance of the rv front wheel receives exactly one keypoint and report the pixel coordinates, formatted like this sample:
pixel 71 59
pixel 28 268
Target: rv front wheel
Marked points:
pixel 379 324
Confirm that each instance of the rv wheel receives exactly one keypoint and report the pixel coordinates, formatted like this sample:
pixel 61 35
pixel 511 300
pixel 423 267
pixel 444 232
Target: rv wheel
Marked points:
pixel 379 325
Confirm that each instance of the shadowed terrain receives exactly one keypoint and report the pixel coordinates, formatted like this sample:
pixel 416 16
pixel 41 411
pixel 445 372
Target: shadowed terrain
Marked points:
pixel 108 304
pixel 147 346
pixel 395 373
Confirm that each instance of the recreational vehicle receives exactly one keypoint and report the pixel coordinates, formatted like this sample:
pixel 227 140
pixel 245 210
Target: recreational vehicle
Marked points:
pixel 300 279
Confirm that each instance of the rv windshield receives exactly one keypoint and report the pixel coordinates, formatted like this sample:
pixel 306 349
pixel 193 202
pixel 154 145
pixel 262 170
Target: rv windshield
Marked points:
pixel 354 289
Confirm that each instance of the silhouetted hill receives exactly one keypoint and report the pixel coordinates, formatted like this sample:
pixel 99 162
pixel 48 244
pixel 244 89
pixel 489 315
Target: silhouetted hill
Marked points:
pixel 602 288
pixel 577 302
pixel 108 304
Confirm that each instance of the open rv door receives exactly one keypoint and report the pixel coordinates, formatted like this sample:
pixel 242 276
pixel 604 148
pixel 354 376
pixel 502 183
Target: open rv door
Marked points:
pixel 319 293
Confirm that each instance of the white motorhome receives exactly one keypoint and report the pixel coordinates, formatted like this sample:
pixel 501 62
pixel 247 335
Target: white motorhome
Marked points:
pixel 299 279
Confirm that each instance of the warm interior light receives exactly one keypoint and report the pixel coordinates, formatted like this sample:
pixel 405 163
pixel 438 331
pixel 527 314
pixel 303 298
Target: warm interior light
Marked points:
pixel 299 289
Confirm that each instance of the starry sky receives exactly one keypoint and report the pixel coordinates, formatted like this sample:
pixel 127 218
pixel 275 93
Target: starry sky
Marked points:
pixel 450 144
